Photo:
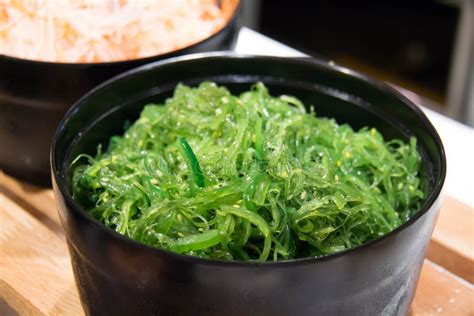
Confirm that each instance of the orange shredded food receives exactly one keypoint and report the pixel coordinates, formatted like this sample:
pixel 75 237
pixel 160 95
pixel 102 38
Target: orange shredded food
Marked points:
pixel 82 31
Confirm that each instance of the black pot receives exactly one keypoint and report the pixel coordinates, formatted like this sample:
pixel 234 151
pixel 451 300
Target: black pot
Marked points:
pixel 116 275
pixel 34 96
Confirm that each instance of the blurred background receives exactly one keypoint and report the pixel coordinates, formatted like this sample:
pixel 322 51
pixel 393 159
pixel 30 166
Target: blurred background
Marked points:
pixel 422 46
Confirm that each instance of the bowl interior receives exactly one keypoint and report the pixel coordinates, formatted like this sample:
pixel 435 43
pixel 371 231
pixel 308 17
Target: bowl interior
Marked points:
pixel 334 92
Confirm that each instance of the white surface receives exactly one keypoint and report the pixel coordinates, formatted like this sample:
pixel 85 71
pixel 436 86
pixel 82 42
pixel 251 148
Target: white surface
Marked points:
pixel 251 42
pixel 458 139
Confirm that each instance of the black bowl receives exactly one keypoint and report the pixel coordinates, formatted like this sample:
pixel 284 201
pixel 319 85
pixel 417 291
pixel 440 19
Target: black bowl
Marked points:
pixel 116 275
pixel 35 95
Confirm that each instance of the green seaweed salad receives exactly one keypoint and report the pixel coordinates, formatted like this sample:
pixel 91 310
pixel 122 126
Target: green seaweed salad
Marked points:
pixel 249 177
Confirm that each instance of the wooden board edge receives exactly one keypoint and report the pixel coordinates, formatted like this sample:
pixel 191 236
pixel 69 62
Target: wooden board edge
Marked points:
pixel 18 303
pixel 456 263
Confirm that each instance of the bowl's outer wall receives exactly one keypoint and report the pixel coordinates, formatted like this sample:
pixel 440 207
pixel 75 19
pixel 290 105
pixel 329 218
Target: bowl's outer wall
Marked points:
pixel 116 275
pixel 34 96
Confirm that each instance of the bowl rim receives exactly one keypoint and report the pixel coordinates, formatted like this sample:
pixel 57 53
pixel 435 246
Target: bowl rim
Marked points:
pixel 72 206
pixel 143 60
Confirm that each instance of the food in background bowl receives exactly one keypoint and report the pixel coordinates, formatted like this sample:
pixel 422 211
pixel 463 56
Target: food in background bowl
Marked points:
pixel 249 177
pixel 81 31
pixel 34 95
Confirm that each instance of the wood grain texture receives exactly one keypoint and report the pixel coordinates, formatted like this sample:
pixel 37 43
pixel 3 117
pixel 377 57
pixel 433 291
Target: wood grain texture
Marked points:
pixel 452 244
pixel 39 202
pixel 439 292
pixel 36 276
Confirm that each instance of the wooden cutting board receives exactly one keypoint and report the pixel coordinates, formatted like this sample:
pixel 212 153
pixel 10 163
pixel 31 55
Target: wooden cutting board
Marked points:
pixel 36 276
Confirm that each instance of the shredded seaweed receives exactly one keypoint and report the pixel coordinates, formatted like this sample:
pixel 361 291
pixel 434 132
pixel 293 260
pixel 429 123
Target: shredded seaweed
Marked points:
pixel 249 177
